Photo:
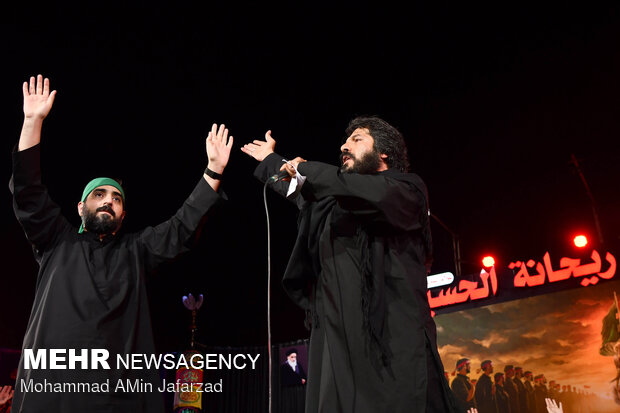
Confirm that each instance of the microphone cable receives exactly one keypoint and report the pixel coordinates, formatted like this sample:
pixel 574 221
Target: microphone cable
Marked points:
pixel 268 294
pixel 272 179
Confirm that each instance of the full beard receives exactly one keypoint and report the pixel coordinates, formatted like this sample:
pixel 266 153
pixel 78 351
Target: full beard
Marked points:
pixel 369 163
pixel 99 224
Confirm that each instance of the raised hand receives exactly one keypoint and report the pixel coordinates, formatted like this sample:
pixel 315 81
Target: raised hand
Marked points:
pixel 259 150
pixel 552 406
pixel 218 148
pixel 38 100
pixel 6 393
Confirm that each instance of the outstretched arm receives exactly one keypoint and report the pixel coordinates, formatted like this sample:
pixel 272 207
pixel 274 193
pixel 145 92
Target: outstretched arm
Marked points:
pixel 397 199
pixel 270 162
pixel 39 216
pixel 38 102
pixel 218 151
pixel 176 235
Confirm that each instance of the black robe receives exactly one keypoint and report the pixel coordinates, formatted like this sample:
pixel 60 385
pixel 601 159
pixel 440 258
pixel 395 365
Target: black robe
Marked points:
pixel 510 387
pixel 461 387
pixel 523 405
pixel 289 377
pixel 502 400
pixel 540 394
pixel 485 397
pixel 531 397
pixel 358 269
pixel 293 390
pixel 90 294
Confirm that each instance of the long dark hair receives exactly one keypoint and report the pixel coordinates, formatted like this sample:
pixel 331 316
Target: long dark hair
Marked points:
pixel 388 140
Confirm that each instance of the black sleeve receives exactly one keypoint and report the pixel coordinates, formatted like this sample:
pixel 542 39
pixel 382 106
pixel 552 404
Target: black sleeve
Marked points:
pixel 175 236
pixel 267 168
pixel 38 215
pixel 379 197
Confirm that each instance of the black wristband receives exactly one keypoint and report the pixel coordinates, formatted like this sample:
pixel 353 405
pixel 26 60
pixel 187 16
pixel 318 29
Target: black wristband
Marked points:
pixel 213 174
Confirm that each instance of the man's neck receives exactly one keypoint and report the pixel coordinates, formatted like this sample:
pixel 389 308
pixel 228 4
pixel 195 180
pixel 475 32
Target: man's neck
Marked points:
pixel 103 236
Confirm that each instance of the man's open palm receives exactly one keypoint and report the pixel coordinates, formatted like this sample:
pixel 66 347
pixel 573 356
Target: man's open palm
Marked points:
pixel 37 97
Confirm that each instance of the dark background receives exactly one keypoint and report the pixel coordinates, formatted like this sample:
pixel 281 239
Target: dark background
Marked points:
pixel 492 99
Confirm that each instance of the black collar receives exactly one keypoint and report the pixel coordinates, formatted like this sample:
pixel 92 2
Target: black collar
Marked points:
pixel 94 238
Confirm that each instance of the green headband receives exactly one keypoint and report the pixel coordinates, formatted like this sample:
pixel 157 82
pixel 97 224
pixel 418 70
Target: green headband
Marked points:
pixel 96 183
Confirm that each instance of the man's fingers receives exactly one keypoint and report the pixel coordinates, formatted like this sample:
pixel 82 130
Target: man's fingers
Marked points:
pixel 220 135
pixel 39 84
pixel 25 89
pixel 52 97
pixel 268 136
pixel 258 143
pixel 46 87
pixel 32 84
pixel 289 168
pixel 207 141
pixel 220 132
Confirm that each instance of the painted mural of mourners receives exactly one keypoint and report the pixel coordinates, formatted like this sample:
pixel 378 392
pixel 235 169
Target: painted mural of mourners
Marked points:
pixel 610 346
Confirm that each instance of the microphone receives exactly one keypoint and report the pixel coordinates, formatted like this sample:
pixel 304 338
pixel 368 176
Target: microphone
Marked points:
pixel 279 176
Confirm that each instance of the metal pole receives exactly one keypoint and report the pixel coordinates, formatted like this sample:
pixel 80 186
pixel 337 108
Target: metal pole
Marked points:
pixel 457 254
pixel 592 201
pixel 456 247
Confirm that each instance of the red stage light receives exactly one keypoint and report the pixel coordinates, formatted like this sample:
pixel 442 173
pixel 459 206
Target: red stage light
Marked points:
pixel 488 261
pixel 580 241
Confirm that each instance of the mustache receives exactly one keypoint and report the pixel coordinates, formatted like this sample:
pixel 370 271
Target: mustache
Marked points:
pixel 107 209
pixel 348 154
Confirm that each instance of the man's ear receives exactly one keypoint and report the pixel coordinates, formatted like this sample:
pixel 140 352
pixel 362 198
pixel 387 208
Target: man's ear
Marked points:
pixel 384 164
pixel 80 207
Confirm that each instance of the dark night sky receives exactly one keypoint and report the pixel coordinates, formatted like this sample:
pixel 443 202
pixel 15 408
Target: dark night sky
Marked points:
pixel 493 100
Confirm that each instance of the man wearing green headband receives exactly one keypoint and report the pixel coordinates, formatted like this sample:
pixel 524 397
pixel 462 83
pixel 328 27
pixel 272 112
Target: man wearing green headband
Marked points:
pixel 90 292
pixel 108 216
